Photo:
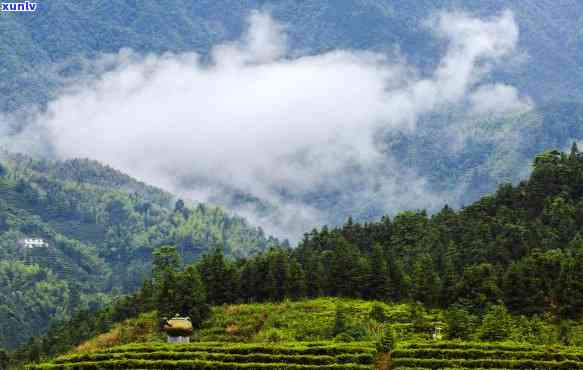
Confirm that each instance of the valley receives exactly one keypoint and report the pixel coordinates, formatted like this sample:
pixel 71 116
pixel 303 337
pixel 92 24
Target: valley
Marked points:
pixel 315 184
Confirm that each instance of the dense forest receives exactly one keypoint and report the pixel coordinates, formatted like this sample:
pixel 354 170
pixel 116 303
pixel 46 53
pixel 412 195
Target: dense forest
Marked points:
pixel 519 249
pixel 100 228
pixel 520 246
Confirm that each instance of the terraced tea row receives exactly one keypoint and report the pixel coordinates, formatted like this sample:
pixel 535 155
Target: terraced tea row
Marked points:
pixel 473 354
pixel 220 356
pixel 193 364
pixel 224 357
pixel 291 348
pixel 448 355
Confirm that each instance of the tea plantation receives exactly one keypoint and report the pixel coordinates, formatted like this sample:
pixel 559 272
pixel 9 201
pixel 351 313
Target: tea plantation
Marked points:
pixel 213 355
pixel 459 355
pixel 304 335
pixel 320 355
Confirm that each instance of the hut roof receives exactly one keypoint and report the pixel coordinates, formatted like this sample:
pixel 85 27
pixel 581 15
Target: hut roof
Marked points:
pixel 178 326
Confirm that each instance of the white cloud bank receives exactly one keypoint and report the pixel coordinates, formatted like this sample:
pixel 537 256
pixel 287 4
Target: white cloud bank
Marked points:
pixel 257 120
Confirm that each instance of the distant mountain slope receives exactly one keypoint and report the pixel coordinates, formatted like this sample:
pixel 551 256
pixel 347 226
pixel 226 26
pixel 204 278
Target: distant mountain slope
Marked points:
pixel 100 227
pixel 459 161
pixel 39 47
pixel 478 156
pixel 40 51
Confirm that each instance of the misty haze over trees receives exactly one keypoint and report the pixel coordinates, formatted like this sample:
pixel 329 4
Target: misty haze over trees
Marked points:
pixel 171 157
pixel 391 139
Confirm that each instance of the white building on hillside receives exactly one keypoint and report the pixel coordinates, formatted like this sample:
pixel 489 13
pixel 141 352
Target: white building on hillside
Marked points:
pixel 31 243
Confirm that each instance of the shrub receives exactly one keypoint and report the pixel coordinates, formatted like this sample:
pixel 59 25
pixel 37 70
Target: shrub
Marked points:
pixel 357 332
pixel 274 336
pixel 387 342
pixel 377 313
pixel 417 317
pixel 497 324
pixel 340 319
pixel 460 323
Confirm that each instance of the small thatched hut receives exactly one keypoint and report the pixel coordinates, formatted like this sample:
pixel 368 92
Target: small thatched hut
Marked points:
pixel 178 329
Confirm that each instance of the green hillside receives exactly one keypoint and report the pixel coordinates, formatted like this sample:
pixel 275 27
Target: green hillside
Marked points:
pixel 100 228
pixel 505 268
pixel 310 334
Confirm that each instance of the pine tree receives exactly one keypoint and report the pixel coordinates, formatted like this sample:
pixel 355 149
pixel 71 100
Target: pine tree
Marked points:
pixel 166 296
pixel 496 325
pixel 426 283
pixel 220 278
pixel 379 279
pixel 190 299
pixel 345 270
pixel 449 277
pixel 400 280
pixel 165 268
pixel 296 285
pixel 314 274
pixel 166 261
pixel 460 323
pixel 479 287
pixel 278 275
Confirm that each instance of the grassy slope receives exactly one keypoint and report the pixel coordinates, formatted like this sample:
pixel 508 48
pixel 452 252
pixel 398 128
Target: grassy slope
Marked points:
pixel 305 321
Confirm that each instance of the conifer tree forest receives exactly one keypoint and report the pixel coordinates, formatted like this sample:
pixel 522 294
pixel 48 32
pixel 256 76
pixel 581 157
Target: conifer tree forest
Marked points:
pixel 518 251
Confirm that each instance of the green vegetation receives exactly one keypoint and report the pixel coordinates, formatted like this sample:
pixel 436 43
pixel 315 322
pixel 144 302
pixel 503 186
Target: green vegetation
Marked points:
pixel 293 333
pixel 101 228
pixel 492 151
pixel 475 356
pixel 504 268
pixel 222 356
pixel 305 320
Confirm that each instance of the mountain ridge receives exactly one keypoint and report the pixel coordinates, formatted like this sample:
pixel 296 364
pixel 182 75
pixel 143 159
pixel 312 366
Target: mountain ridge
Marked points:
pixel 100 228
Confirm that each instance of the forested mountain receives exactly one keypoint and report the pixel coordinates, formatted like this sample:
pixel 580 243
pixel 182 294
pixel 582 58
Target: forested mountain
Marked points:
pixel 40 46
pixel 519 249
pixel 460 162
pixel 100 227
pixel 45 50
pixel 521 246
pixel 491 151
pixel 59 43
